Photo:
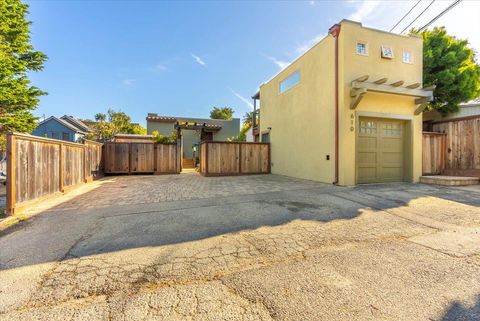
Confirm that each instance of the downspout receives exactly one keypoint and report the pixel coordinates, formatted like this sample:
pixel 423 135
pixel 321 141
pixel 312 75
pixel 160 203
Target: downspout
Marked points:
pixel 335 32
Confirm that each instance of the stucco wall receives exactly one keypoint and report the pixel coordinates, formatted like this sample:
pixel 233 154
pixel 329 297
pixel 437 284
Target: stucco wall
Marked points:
pixel 353 66
pixel 302 118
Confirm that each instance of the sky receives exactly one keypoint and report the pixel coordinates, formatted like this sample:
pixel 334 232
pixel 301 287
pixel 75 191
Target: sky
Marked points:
pixel 182 58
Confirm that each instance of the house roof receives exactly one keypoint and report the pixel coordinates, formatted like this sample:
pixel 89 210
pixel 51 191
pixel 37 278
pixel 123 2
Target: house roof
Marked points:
pixel 78 123
pixel 474 102
pixel 133 136
pixel 198 126
pixel 63 122
pixel 165 119
pixel 174 119
pixel 467 109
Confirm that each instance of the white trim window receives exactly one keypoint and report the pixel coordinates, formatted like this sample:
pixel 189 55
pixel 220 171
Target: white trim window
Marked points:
pixel 290 81
pixel 387 52
pixel 361 48
pixel 407 57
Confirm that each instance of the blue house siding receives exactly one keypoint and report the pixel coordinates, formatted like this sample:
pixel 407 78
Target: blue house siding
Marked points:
pixel 72 122
pixel 54 129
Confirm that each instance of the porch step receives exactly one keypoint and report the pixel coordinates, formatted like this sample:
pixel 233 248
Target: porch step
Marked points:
pixel 450 180
pixel 188 163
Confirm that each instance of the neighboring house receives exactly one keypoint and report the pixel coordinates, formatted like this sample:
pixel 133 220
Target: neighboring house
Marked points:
pixel 132 138
pixel 348 110
pixel 466 110
pixel 249 135
pixel 198 129
pixel 65 128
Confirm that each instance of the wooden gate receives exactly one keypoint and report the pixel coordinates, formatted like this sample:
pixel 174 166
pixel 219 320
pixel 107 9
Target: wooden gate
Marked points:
pixel 232 158
pixel 129 158
pixel 462 147
pixel 434 148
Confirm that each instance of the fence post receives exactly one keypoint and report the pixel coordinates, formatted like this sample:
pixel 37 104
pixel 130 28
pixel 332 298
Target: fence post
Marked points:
pixel 239 158
pixel 11 164
pixel 269 158
pixel 155 147
pixel 206 157
pixel 61 172
pixel 85 176
pixel 129 158
pixel 179 151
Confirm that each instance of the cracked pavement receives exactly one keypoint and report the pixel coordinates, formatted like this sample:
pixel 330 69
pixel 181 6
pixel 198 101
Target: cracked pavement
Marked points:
pixel 265 247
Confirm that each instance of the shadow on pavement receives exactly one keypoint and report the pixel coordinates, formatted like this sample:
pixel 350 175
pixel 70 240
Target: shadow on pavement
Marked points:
pixel 459 312
pixel 82 232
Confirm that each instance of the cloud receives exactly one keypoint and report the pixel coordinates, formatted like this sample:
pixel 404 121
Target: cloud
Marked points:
pixel 304 46
pixel 245 100
pixel 160 67
pixel 128 82
pixel 198 60
pixel 363 10
pixel 312 3
pixel 280 63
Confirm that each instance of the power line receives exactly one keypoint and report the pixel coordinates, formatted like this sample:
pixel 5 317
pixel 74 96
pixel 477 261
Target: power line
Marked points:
pixel 416 4
pixel 439 15
pixel 421 13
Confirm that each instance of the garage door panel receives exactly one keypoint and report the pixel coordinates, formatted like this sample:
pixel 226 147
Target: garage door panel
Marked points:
pixel 367 174
pixel 394 144
pixel 392 174
pixel 392 158
pixel 367 157
pixel 380 150
pixel 368 143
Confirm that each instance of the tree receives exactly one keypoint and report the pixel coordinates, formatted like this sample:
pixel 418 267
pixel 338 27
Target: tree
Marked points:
pixel 17 58
pixel 450 65
pixel 138 129
pixel 112 123
pixel 248 118
pixel 159 138
pixel 221 113
pixel 247 124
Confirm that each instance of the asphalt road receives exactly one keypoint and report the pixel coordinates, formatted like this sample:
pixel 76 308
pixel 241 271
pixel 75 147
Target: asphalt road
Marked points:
pixel 297 251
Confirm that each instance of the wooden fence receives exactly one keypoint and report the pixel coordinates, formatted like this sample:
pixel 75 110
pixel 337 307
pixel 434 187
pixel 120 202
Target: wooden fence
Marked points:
pixel 231 158
pixel 38 167
pixel 128 158
pixel 433 153
pixel 462 146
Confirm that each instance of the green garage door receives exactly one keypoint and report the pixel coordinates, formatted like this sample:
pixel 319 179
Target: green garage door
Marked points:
pixel 380 150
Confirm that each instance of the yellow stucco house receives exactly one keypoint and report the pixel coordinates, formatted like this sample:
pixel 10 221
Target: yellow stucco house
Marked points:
pixel 349 110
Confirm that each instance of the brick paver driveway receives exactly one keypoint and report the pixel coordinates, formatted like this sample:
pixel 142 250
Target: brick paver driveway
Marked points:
pixel 185 247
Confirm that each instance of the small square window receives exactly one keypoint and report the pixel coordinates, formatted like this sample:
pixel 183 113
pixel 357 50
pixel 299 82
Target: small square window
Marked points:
pixel 362 48
pixel 407 57
pixel 387 52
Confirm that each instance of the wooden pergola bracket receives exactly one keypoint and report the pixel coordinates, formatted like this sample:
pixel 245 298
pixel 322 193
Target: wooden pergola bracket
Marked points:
pixel 420 108
pixel 357 95
pixel 397 83
pixel 413 86
pixel 422 100
pixel 381 81
pixel 363 78
pixel 359 88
